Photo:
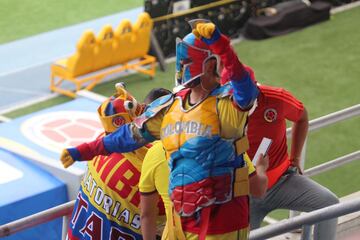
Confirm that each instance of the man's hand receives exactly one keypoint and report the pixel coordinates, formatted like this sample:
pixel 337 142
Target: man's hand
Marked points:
pixel 205 30
pixel 295 162
pixel 259 181
pixel 66 159
pixel 262 163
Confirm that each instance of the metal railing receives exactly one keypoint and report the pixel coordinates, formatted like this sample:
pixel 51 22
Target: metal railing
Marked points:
pixel 272 230
pixel 37 219
pixel 332 164
pixel 331 118
pixel 310 218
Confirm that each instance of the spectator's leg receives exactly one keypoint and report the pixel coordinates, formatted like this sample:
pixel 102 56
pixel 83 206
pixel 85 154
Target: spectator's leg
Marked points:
pixel 257 212
pixel 303 194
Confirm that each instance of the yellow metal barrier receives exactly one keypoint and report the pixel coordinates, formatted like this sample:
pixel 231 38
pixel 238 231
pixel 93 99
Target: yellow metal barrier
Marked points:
pixel 123 39
pixel 108 53
pixel 104 48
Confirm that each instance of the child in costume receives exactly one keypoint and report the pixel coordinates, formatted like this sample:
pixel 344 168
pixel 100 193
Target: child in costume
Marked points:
pixel 107 206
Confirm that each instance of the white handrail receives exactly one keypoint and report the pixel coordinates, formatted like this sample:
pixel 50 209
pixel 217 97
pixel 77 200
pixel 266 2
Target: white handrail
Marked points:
pixel 36 219
pixel 331 118
pixel 332 164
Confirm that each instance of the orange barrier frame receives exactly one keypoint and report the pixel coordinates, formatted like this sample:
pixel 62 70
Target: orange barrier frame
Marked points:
pixel 59 74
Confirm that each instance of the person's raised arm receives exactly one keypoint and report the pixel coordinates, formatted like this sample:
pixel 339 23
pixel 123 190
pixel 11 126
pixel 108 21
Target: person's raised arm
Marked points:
pixel 245 90
pixel 126 138
pixel 298 137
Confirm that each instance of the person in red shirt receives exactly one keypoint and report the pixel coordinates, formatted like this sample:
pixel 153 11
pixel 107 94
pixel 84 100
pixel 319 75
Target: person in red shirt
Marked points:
pixel 287 187
pixel 274 107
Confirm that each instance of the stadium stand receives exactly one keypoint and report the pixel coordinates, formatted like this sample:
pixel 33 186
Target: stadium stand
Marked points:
pixel 108 53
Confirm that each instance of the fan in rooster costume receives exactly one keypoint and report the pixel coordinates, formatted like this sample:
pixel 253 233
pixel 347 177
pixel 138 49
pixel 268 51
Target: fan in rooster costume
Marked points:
pixel 107 205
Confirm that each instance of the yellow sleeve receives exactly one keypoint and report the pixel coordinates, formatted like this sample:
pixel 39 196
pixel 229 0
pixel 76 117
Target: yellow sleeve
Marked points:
pixel 249 164
pixel 154 171
pixel 147 177
pixel 162 180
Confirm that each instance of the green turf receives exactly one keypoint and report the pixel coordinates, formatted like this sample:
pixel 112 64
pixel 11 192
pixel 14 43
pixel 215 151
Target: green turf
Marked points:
pixel 319 65
pixel 22 18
